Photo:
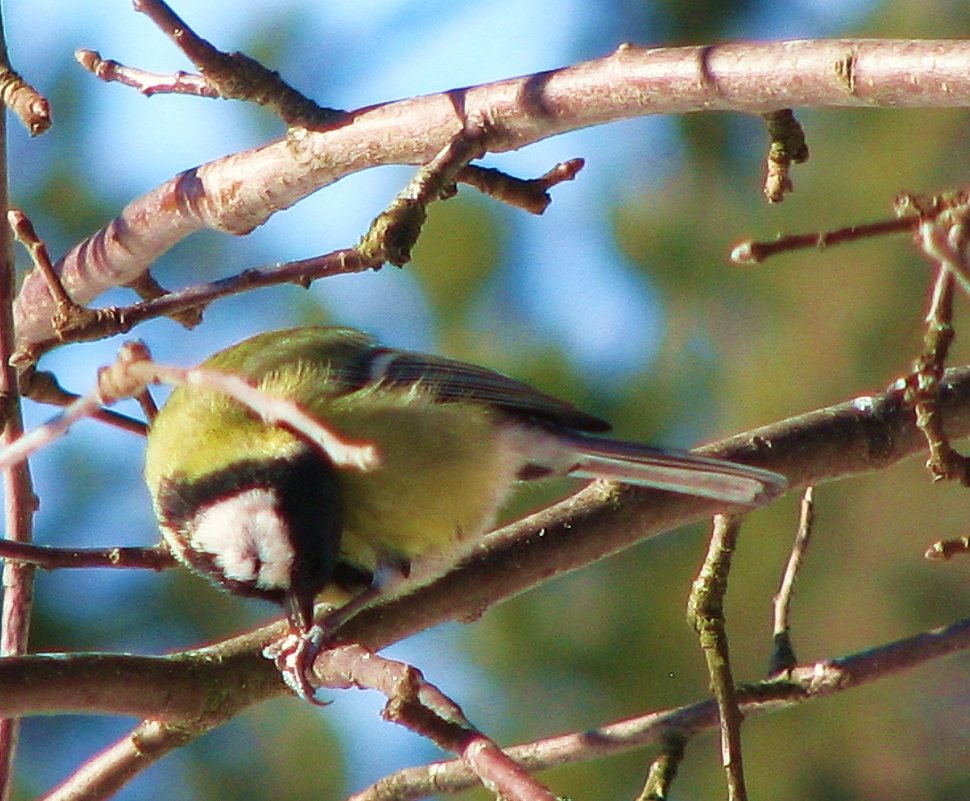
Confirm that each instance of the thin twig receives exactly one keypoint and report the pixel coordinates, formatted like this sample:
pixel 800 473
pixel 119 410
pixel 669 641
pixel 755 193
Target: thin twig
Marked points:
pixel 750 252
pixel 148 83
pixel 113 768
pixel 42 386
pixel 944 242
pixel 783 654
pixel 66 311
pixel 155 557
pixel 236 75
pixel 531 194
pixel 18 494
pixel 705 613
pixel 663 769
pixel 116 320
pixel 923 384
pixel 147 288
pixel 17 451
pixel 134 370
pixel 23 230
pixel 394 232
pixel 341 452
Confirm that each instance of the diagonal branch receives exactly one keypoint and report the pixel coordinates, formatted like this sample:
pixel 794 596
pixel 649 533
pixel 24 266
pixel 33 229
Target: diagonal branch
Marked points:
pixel 852 438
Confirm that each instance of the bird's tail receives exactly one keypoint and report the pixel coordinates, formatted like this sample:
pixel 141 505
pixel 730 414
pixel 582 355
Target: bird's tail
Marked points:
pixel 676 471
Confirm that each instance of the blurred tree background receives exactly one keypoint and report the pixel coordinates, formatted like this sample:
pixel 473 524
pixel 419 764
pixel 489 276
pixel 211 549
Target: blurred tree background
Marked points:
pixel 619 298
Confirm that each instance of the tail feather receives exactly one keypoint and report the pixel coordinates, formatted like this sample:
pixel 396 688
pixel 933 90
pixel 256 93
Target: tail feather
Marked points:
pixel 676 471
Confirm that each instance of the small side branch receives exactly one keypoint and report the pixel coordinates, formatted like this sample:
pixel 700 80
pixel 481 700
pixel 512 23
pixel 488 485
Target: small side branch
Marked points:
pixel 532 194
pixel 751 252
pixel 108 772
pixel 418 705
pixel 664 768
pixel 783 653
pixel 395 231
pixel 147 288
pixel 788 146
pixel 67 313
pixel 705 613
pixel 923 384
pixel 30 106
pixel 48 558
pixel 236 75
pixel 26 102
pixel 148 83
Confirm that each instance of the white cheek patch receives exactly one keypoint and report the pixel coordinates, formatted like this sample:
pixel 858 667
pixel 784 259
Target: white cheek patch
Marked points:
pixel 247 539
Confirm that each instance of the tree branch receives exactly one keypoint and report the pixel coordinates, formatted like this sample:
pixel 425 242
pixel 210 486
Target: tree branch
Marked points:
pixel 18 494
pixel 859 436
pixel 802 684
pixel 237 193
pixel 856 437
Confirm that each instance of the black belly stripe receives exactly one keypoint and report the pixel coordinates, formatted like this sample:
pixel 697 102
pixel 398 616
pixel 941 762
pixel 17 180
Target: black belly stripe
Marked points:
pixel 308 502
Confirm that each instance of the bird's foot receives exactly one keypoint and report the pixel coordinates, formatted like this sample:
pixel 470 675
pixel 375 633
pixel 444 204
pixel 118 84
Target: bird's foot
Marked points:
pixel 294 654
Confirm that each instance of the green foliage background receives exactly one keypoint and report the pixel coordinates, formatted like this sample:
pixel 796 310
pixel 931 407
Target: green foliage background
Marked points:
pixel 740 348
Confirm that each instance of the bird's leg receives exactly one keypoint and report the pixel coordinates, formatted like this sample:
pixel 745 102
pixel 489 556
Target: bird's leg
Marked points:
pixel 295 652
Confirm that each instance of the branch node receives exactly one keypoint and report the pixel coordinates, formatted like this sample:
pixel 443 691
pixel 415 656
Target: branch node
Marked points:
pixel 394 232
pixel 944 550
pixel 25 101
pixel 788 146
pixel 147 288
pixel 67 313
pixel 664 768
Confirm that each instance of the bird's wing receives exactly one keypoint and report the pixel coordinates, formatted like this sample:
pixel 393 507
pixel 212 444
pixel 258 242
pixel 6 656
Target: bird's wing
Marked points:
pixel 450 380
pixel 356 361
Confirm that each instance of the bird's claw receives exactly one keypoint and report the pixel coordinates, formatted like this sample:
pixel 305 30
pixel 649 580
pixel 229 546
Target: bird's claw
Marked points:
pixel 294 654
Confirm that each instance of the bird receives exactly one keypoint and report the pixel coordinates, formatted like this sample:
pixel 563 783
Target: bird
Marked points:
pixel 259 510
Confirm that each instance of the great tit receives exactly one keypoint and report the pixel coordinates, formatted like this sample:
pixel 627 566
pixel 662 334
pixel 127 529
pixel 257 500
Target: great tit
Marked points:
pixel 260 511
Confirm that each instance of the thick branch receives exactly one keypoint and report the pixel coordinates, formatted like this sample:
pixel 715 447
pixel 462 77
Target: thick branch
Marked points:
pixel 240 192
pixel 856 437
